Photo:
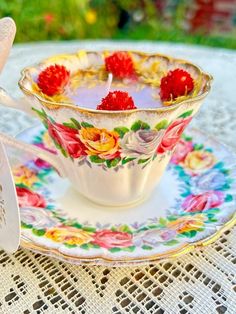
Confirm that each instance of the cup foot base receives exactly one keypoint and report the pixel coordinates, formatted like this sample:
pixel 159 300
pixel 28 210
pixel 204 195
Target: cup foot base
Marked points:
pixel 116 205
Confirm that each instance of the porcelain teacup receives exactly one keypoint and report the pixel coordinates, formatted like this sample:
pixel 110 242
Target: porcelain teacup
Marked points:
pixel 113 158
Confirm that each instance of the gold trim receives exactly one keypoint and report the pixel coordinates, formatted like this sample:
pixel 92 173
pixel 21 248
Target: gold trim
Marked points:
pixel 58 105
pixel 186 248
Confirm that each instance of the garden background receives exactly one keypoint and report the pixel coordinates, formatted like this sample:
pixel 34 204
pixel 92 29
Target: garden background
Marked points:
pixel 207 22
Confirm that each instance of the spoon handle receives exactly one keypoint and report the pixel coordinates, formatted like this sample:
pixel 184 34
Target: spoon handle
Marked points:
pixel 9 209
pixel 7 35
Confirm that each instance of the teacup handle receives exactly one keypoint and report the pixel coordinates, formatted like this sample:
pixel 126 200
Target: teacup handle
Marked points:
pixel 19 104
pixel 32 149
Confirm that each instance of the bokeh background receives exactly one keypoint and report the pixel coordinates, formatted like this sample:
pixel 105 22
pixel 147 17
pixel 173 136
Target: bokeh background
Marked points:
pixel 207 22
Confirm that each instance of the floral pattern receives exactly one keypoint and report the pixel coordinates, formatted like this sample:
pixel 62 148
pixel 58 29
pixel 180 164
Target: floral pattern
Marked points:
pixel 29 198
pixel 37 216
pixel 68 235
pixel 173 134
pixel 109 239
pixel 100 142
pixel 205 190
pixel 141 144
pixel 117 147
pixel 198 161
pixel 204 201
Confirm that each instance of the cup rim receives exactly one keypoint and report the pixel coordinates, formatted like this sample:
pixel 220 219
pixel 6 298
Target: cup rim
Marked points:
pixel 57 105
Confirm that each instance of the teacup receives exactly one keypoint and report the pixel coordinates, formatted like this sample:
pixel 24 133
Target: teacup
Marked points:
pixel 113 158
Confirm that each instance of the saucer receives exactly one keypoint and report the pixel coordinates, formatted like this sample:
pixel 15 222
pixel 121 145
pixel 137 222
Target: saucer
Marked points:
pixel 191 207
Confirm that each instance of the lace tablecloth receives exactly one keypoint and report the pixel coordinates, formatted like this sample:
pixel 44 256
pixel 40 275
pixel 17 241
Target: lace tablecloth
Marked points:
pixel 200 282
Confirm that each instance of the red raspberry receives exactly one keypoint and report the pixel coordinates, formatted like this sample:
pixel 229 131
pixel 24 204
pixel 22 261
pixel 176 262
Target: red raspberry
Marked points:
pixel 120 64
pixel 53 79
pixel 176 83
pixel 117 100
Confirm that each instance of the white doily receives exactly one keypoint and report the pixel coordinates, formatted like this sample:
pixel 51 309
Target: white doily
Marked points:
pixel 200 282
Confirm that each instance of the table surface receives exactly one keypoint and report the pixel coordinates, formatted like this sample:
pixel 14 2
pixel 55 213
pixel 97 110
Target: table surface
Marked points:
pixel 203 281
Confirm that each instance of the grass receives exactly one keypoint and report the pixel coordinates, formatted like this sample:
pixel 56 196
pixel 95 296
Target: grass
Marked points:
pixel 41 20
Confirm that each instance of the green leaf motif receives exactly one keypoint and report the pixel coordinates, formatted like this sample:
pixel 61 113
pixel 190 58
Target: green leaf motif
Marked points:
pixel 162 221
pixel 56 144
pixel 125 228
pixel 70 246
pixel 142 161
pixel 86 125
pixel 140 125
pixel 121 130
pixel 84 246
pixel 76 225
pixel 172 218
pixel 113 162
pixel 185 194
pixel 38 232
pixel 162 125
pixel 76 123
pixel 129 248
pixel 212 211
pixel 226 171
pixel 26 226
pixel 64 152
pixel 22 185
pixel 42 114
pixel 219 165
pixel 94 246
pixel 89 229
pixel 126 160
pixel 70 125
pixel 45 124
pixel 147 247
pixel 209 150
pixel 228 198
pixel 187 138
pixel 171 242
pixel 115 249
pixel 212 220
pixel 96 159
pixel 225 187
pixel 198 146
pixel 189 234
pixel 186 114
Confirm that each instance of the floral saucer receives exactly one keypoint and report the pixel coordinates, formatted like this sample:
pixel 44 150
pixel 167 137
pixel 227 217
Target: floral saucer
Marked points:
pixel 193 204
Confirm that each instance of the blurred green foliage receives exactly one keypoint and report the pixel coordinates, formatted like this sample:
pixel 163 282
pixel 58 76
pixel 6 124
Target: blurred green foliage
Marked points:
pixel 39 20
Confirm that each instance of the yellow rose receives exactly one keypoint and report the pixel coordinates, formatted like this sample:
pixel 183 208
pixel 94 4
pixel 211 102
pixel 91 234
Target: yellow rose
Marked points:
pixel 23 175
pixel 198 161
pixel 187 223
pixel 100 142
pixel 68 235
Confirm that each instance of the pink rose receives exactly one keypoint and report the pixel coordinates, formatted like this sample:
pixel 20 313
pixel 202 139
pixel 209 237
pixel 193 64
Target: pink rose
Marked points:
pixel 27 198
pixel 201 202
pixel 109 239
pixel 67 138
pixel 173 134
pixel 181 151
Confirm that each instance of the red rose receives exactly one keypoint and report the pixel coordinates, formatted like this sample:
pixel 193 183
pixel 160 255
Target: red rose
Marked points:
pixel 67 138
pixel 28 198
pixel 109 239
pixel 173 134
pixel 201 202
